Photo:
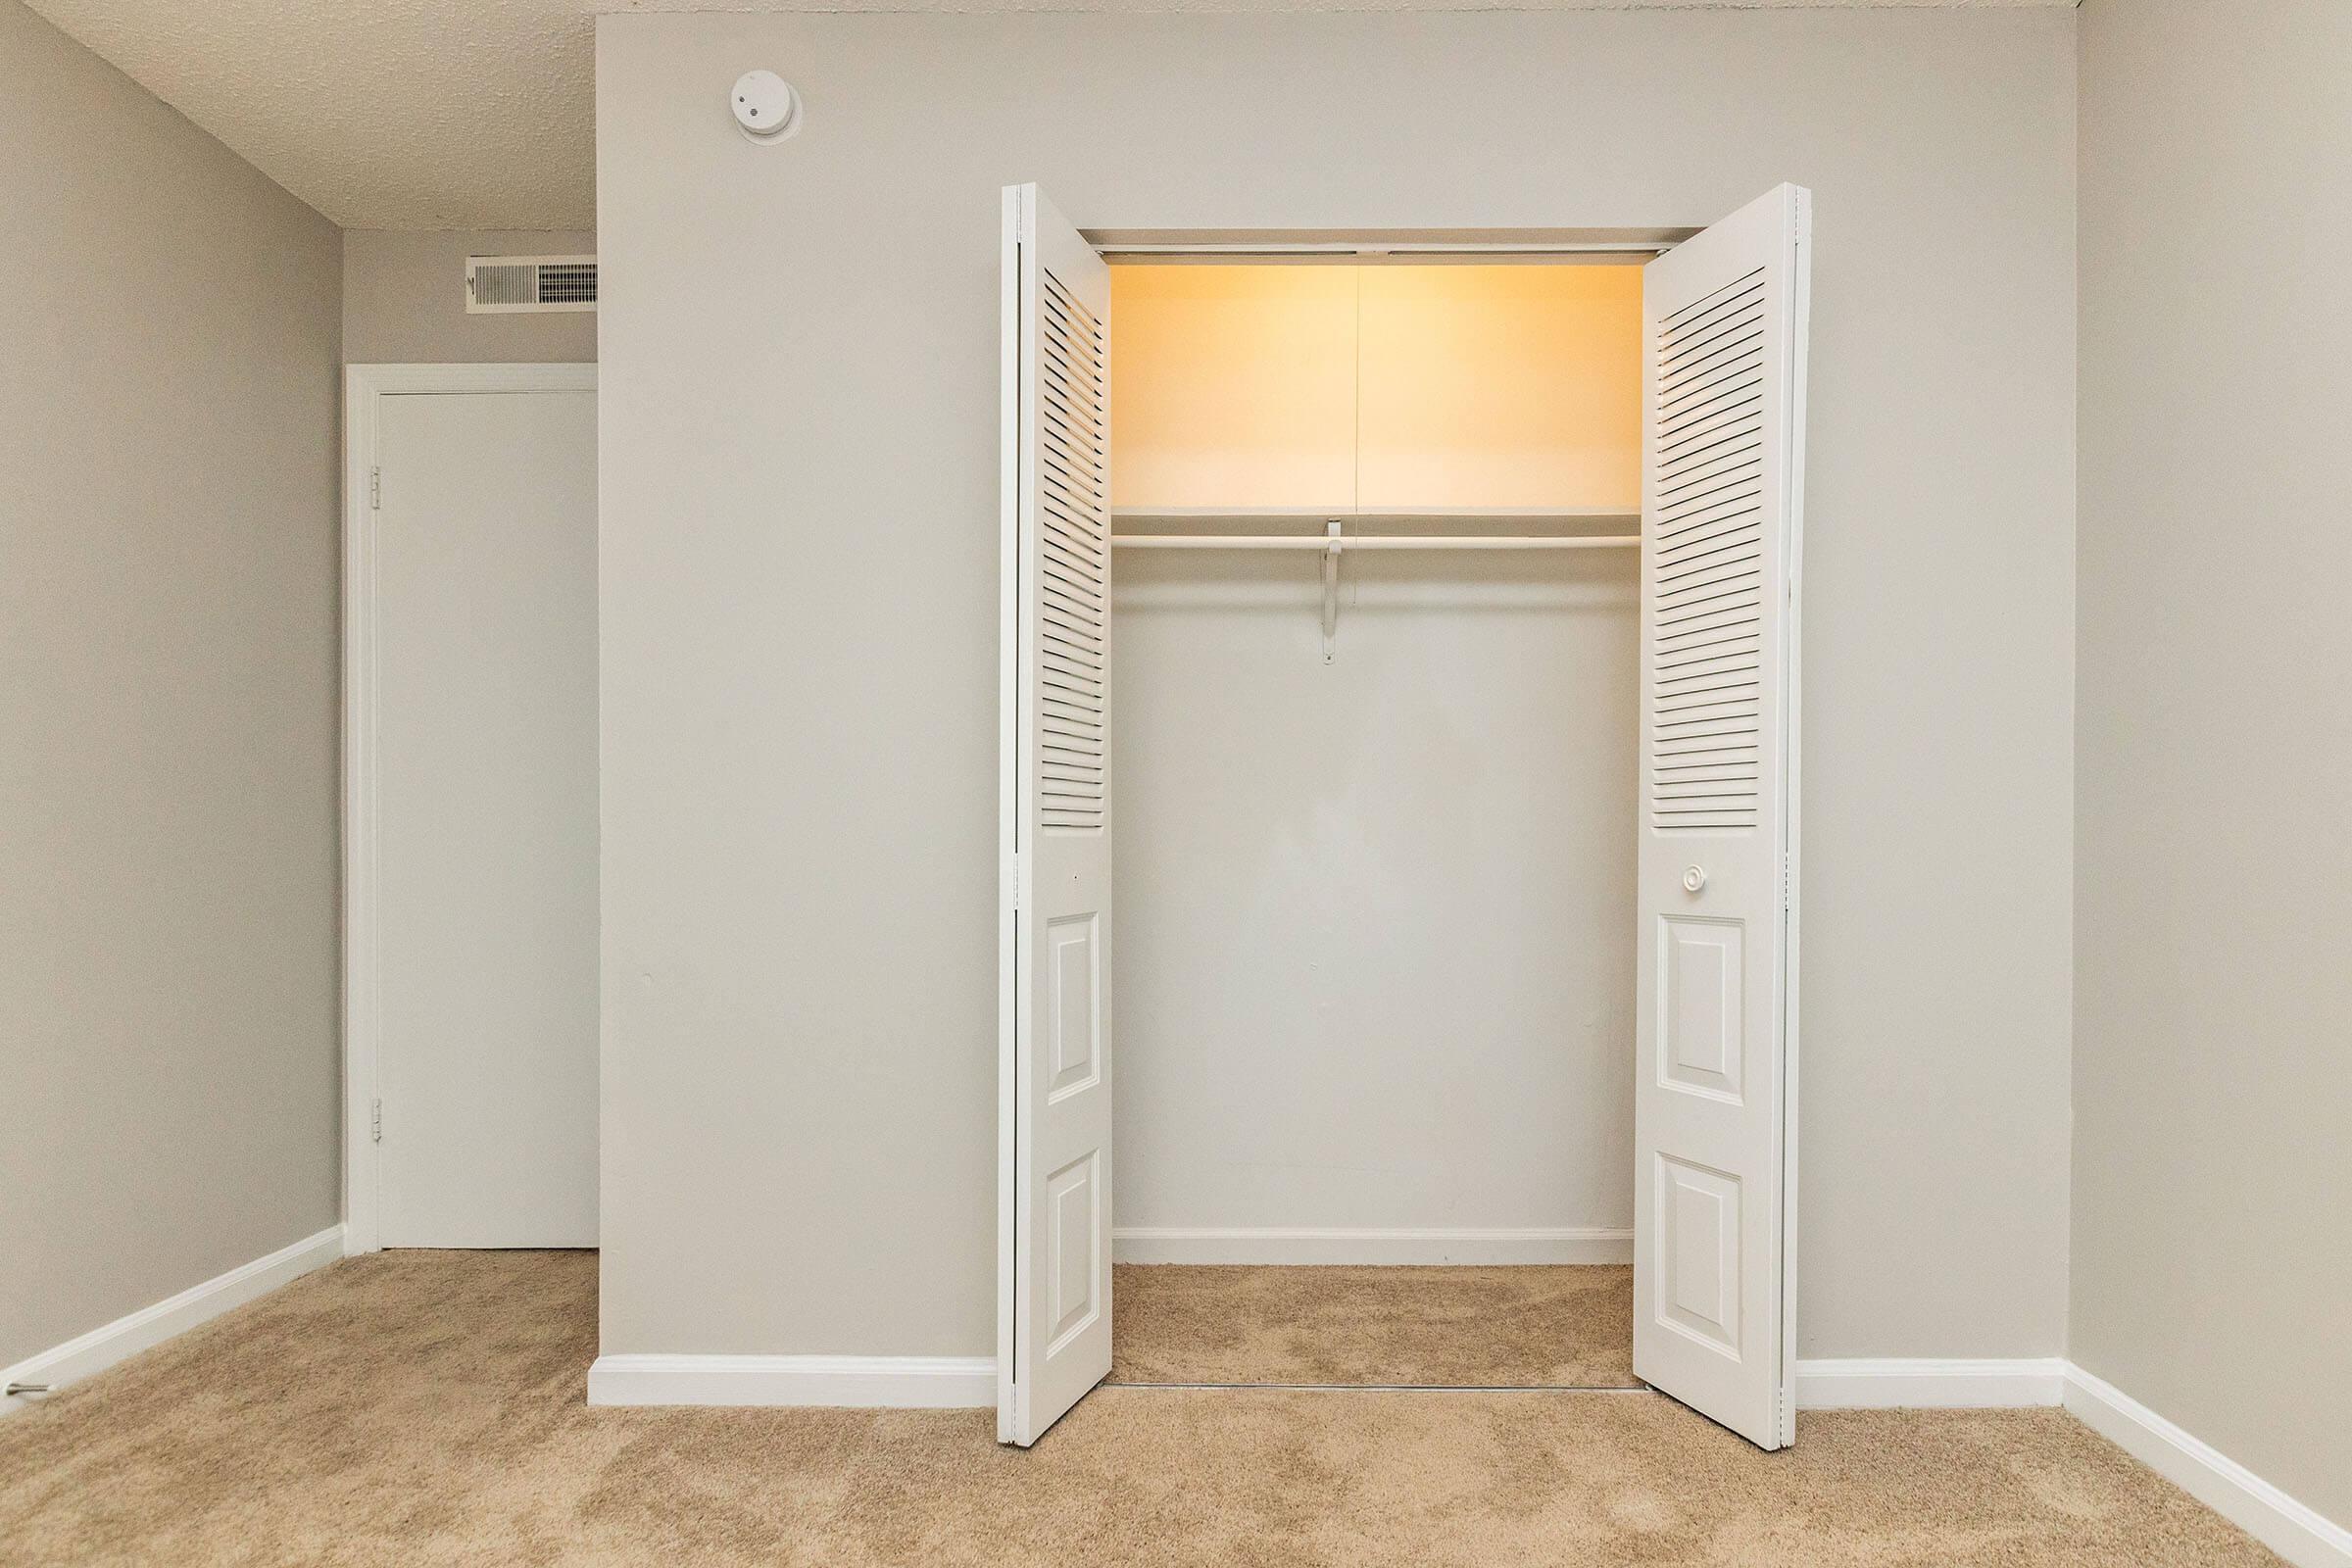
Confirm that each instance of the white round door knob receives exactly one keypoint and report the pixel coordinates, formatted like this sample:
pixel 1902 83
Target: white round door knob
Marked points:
pixel 1693 879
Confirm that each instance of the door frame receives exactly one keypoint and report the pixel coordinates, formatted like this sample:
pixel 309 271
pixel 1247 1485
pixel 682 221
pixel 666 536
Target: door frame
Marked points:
pixel 364 387
pixel 1374 247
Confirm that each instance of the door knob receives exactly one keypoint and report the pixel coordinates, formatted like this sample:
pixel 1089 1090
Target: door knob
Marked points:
pixel 1693 879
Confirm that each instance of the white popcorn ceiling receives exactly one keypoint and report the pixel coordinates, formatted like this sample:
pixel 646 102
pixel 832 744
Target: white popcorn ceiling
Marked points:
pixel 481 114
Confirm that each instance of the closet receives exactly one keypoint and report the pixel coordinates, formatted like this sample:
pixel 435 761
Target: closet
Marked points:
pixel 1375 957
pixel 1398 809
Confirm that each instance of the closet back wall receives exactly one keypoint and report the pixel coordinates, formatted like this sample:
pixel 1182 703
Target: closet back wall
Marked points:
pixel 798 620
pixel 1375 917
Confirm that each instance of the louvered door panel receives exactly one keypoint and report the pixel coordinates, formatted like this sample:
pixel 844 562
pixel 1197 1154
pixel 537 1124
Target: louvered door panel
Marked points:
pixel 1074 482
pixel 1706 563
pixel 1723 388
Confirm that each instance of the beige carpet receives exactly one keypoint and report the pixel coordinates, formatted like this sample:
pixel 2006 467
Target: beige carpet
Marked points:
pixel 427 1409
pixel 1528 1327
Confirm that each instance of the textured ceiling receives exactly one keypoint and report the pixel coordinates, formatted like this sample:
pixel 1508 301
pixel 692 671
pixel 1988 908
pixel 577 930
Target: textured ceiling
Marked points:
pixel 480 114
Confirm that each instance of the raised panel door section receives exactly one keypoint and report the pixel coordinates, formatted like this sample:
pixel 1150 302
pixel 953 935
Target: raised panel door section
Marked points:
pixel 1702 994
pixel 1076 1026
pixel 1074 1201
pixel 1697 1240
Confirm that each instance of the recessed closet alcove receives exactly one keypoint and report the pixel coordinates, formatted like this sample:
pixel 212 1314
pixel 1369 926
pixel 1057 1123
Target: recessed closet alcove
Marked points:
pixel 1374 970
pixel 1400 815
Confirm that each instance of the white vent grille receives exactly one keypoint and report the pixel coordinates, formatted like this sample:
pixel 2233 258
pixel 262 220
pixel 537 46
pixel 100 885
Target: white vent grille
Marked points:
pixel 1073 562
pixel 1706 562
pixel 505 284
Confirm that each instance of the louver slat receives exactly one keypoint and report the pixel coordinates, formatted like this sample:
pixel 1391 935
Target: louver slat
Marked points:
pixel 1705 564
pixel 1073 562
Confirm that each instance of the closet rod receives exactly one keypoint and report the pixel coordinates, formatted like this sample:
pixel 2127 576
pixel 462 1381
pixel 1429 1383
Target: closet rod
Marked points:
pixel 1343 543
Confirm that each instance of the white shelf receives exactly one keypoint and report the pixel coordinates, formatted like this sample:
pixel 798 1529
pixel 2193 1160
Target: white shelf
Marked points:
pixel 1350 514
pixel 1332 541
pixel 1337 530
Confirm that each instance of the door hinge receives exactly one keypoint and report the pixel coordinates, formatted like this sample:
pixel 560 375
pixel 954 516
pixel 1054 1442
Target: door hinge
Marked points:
pixel 375 1121
pixel 1019 877
pixel 375 489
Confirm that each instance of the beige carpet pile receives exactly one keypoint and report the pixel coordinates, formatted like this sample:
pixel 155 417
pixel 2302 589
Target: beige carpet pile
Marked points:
pixel 427 1409
pixel 1569 1327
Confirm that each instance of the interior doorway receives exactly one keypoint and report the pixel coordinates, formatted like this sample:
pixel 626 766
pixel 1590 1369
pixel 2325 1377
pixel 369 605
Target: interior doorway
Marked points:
pixel 1707 383
pixel 471 806
pixel 1374 1114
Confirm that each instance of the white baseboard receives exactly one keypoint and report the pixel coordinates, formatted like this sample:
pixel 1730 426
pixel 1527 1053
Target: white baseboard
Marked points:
pixel 2293 1531
pixel 899 1381
pixel 148 1327
pixel 1153 1244
pixel 1893 1383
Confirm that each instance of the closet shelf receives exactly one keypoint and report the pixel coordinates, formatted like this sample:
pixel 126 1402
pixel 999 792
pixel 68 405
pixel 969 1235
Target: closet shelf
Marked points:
pixel 1347 544
pixel 1322 514
pixel 1331 544
pixel 1334 542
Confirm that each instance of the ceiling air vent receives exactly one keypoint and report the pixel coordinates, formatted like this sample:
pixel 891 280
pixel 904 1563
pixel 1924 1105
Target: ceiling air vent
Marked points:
pixel 508 283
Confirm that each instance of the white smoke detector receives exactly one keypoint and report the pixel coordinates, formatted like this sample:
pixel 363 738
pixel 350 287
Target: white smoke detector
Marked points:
pixel 765 106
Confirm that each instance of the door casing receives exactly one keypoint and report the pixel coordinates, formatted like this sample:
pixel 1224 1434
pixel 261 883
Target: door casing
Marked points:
pixel 1415 246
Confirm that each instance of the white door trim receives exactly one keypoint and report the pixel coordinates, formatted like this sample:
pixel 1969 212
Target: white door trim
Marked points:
pixel 1192 1244
pixel 365 386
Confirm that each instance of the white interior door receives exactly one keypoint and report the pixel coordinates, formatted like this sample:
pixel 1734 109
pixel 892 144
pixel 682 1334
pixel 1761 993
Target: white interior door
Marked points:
pixel 1715 1106
pixel 1054 1335
pixel 484 874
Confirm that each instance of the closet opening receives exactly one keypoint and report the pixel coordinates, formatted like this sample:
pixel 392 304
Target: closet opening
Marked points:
pixel 1374 601
pixel 1400 697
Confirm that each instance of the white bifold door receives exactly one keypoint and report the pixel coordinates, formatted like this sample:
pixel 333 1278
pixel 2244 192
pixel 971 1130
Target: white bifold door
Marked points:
pixel 1723 387
pixel 1053 1314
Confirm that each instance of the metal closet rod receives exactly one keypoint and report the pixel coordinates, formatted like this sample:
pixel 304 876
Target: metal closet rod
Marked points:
pixel 1331 544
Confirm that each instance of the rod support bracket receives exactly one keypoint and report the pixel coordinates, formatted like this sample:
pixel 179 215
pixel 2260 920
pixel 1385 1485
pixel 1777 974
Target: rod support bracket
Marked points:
pixel 1331 585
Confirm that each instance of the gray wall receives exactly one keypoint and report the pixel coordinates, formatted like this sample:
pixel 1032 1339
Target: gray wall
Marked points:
pixel 2213 1061
pixel 168 450
pixel 799 596
pixel 403 300
pixel 1375 956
